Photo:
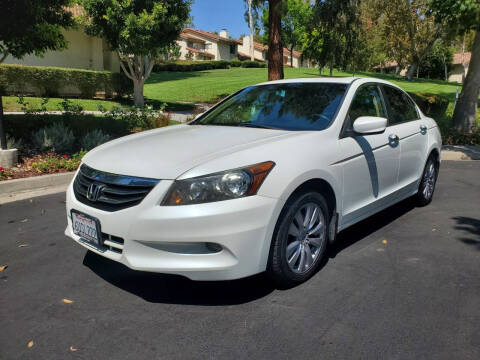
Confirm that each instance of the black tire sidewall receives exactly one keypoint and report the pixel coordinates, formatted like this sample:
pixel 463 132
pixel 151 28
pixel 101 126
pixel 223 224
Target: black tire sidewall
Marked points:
pixel 278 259
pixel 421 199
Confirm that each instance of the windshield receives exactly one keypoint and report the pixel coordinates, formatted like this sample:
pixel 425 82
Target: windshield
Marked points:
pixel 288 106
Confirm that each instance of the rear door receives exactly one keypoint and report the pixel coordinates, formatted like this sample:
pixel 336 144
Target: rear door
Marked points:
pixel 406 124
pixel 370 162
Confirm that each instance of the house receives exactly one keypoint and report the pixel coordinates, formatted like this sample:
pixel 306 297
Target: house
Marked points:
pixel 203 45
pixel 260 54
pixel 83 52
pixel 460 64
pixel 390 67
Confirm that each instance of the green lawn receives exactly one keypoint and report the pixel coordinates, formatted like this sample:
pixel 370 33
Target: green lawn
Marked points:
pixel 210 85
pixel 181 89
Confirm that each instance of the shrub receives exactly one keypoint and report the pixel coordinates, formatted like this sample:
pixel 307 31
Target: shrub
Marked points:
pixel 235 63
pixel 431 105
pixel 53 82
pixel 93 139
pixel 252 64
pixel 56 137
pixel 188 65
pixel 13 143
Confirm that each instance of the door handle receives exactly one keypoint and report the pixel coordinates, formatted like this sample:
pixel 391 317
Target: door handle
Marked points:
pixel 393 139
pixel 423 129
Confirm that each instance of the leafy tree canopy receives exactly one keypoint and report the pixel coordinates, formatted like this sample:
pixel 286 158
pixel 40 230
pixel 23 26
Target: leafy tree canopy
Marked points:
pixel 140 27
pixel 33 26
pixel 459 15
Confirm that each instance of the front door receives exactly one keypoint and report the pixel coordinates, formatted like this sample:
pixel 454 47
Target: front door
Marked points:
pixel 370 162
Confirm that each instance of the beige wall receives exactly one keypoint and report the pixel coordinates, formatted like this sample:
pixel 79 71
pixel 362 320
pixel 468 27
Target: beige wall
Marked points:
pixel 456 74
pixel 245 48
pixel 83 52
pixel 221 50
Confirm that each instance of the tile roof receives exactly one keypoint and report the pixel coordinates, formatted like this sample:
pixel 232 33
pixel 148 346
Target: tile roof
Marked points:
pixel 209 35
pixel 460 58
pixel 262 47
pixel 246 56
pixel 197 51
pixel 76 10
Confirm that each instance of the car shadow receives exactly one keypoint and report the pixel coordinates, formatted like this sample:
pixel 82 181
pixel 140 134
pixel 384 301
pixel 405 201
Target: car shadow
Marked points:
pixel 174 289
pixel 370 225
pixel 471 226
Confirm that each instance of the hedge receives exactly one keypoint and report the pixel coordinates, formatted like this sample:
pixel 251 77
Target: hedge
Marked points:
pixel 56 82
pixel 430 104
pixel 185 65
pixel 21 127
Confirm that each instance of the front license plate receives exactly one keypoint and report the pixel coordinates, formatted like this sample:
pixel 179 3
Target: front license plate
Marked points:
pixel 87 227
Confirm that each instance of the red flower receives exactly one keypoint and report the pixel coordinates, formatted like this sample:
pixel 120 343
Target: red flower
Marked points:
pixel 65 156
pixel 1 168
pixel 53 164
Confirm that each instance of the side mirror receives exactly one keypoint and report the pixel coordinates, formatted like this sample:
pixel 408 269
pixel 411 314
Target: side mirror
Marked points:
pixel 370 125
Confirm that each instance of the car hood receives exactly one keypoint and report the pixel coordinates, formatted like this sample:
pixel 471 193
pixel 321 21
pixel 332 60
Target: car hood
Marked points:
pixel 169 152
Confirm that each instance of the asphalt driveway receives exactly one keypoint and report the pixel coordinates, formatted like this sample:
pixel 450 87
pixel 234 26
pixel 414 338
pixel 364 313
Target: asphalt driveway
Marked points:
pixel 404 284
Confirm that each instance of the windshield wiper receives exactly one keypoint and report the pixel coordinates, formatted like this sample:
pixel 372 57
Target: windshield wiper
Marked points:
pixel 259 126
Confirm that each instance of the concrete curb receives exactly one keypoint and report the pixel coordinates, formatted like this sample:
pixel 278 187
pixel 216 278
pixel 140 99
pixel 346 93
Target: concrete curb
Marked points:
pixel 44 181
pixel 460 153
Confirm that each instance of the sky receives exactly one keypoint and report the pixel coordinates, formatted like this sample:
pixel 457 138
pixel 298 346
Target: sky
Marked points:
pixel 215 15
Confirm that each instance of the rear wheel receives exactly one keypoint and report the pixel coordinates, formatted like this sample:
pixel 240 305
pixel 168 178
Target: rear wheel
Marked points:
pixel 428 182
pixel 300 239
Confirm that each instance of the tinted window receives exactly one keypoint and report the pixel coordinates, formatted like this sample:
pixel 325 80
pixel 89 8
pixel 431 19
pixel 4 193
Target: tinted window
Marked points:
pixel 291 106
pixel 401 107
pixel 367 102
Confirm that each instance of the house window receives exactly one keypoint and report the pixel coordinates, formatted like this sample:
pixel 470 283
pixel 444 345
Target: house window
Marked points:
pixel 233 48
pixel 190 44
pixel 208 46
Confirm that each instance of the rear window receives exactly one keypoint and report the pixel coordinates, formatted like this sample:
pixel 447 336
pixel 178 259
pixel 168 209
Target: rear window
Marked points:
pixel 290 106
pixel 401 108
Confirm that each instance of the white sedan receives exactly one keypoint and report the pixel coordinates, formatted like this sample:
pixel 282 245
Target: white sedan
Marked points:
pixel 263 181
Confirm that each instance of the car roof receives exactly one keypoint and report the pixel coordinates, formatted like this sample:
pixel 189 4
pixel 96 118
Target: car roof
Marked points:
pixel 331 80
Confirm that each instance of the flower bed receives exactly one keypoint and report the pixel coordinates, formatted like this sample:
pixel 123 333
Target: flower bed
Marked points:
pixel 40 164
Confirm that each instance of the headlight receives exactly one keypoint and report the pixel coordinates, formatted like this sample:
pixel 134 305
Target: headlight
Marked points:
pixel 225 185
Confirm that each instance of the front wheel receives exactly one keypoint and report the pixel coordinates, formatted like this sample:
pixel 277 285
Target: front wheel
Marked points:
pixel 428 182
pixel 300 239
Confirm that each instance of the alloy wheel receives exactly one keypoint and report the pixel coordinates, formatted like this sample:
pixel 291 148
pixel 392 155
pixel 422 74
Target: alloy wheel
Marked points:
pixel 306 236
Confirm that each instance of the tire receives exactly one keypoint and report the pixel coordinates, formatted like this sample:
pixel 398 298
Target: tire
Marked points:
pixel 292 241
pixel 426 188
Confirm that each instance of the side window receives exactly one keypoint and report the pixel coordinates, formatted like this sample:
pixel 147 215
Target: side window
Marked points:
pixel 367 102
pixel 401 108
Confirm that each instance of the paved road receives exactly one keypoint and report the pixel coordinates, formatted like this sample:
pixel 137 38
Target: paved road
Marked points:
pixel 417 296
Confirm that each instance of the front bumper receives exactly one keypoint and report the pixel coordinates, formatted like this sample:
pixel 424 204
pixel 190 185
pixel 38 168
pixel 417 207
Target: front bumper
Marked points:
pixel 172 239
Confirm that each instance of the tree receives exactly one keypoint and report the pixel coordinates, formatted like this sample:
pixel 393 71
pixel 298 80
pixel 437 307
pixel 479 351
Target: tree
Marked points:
pixel 409 32
pixel 296 14
pixel 332 34
pixel 250 24
pixel 460 17
pixel 275 45
pixel 31 27
pixel 140 31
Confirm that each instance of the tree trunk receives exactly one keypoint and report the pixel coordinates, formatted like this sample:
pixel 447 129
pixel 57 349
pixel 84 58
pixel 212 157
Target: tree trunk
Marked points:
pixel 3 136
pixel 465 114
pixel 291 56
pixel 138 93
pixel 250 22
pixel 331 69
pixel 275 46
pixel 412 70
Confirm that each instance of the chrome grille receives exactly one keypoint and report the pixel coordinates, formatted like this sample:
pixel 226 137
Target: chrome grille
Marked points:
pixel 111 192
